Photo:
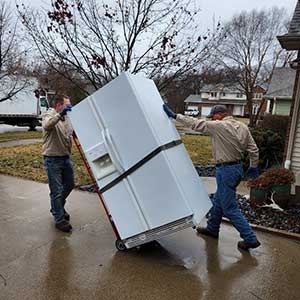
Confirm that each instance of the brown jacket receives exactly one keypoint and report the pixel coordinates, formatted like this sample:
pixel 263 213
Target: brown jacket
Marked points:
pixel 230 138
pixel 57 134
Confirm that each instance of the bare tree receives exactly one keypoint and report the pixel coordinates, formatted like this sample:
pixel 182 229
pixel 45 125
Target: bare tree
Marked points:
pixel 159 38
pixel 12 63
pixel 251 51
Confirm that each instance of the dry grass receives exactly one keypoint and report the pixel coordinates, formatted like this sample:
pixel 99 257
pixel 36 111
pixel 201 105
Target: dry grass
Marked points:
pixel 12 136
pixel 199 148
pixel 26 160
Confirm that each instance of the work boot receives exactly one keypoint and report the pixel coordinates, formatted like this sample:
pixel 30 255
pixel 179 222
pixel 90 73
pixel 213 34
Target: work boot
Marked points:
pixel 64 226
pixel 205 231
pixel 247 245
pixel 66 216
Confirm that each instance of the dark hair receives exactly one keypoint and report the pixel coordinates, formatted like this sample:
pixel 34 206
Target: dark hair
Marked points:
pixel 57 98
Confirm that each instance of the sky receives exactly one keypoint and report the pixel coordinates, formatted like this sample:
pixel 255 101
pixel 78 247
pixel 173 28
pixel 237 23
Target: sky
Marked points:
pixel 215 9
pixel 225 9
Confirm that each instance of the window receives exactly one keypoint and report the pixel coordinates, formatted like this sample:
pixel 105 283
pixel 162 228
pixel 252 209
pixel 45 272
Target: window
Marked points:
pixel 223 94
pixel 213 94
pixel 258 95
pixel 239 95
pixel 44 102
pixel 255 109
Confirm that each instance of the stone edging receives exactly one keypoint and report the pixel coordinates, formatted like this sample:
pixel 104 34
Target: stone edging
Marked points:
pixel 290 235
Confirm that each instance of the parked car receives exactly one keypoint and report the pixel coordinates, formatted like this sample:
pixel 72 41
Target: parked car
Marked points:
pixel 192 112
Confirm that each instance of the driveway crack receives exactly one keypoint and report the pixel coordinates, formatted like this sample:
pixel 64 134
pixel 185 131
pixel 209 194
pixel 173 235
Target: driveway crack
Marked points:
pixel 255 296
pixel 4 280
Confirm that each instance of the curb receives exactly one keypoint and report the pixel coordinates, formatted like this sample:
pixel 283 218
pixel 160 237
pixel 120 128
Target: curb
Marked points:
pixel 286 234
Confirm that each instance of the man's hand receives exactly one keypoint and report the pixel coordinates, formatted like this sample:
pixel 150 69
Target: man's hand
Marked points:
pixel 65 110
pixel 252 172
pixel 169 112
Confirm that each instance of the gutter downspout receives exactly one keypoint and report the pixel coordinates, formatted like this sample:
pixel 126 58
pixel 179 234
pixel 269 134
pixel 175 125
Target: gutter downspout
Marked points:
pixel 294 114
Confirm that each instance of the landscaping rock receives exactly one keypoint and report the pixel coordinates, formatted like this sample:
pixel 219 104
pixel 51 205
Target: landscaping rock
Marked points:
pixel 206 171
pixel 288 220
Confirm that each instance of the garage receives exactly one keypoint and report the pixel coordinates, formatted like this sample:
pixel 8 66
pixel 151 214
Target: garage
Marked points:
pixel 205 110
pixel 238 110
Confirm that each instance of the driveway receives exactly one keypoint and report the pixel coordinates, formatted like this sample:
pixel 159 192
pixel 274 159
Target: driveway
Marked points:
pixel 38 262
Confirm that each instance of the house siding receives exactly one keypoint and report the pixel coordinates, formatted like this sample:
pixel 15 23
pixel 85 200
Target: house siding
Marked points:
pixel 295 159
pixel 283 108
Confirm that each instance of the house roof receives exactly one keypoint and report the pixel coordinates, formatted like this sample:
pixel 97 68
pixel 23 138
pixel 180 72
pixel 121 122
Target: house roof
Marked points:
pixel 294 28
pixel 199 99
pixel 291 40
pixel 220 87
pixel 282 83
pixel 193 99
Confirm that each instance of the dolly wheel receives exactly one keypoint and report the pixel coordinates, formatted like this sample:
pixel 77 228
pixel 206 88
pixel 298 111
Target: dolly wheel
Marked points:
pixel 120 245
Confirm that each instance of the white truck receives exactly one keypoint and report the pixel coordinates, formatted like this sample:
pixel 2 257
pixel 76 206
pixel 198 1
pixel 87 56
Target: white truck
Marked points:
pixel 24 109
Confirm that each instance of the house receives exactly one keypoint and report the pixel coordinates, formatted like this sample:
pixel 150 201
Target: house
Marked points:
pixel 280 91
pixel 231 96
pixel 291 41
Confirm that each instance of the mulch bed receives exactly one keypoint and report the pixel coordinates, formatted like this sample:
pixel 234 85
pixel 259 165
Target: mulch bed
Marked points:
pixel 288 219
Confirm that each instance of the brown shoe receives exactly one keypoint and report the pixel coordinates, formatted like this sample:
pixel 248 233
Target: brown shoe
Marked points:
pixel 246 245
pixel 205 231
pixel 64 226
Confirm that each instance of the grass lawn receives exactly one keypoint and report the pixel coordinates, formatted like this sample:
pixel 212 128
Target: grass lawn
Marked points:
pixel 12 136
pixel 26 160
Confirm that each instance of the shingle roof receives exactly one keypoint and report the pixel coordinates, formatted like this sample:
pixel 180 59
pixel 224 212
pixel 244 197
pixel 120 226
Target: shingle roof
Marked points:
pixel 282 83
pixel 220 87
pixel 194 99
pixel 294 28
pixel 198 99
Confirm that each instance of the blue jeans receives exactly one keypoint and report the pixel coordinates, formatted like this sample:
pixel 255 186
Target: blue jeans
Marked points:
pixel 61 182
pixel 225 203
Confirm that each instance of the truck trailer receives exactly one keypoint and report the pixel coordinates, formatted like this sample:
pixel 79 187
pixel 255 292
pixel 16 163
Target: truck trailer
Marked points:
pixel 25 108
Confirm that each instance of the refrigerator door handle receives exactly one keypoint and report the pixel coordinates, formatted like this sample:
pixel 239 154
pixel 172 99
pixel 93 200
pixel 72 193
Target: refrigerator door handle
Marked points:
pixel 111 150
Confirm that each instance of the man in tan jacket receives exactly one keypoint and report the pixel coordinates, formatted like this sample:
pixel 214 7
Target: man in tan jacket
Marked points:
pixel 57 143
pixel 230 139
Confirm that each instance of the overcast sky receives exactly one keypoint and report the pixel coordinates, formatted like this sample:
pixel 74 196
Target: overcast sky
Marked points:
pixel 215 9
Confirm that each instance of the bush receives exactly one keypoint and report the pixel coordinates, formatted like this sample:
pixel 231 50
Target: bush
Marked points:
pixel 271 148
pixel 274 176
pixel 275 123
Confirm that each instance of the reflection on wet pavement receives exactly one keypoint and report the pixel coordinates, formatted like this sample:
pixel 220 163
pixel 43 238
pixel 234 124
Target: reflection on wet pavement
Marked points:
pixel 37 262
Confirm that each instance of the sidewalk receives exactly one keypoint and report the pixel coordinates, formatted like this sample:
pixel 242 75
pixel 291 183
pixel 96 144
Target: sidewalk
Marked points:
pixel 38 262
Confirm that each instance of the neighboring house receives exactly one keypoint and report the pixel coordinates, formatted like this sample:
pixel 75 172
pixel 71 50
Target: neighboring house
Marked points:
pixel 280 91
pixel 230 96
pixel 291 41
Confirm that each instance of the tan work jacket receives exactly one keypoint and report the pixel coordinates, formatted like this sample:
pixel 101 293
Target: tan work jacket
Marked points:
pixel 57 134
pixel 230 138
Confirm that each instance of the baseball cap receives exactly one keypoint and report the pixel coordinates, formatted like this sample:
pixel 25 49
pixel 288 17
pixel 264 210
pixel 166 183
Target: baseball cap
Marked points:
pixel 217 109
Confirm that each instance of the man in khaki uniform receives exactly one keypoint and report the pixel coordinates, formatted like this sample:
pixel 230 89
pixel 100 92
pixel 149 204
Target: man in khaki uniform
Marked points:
pixel 57 143
pixel 230 139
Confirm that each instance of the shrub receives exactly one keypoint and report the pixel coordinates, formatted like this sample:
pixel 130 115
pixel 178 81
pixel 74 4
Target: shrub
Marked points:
pixel 271 148
pixel 274 176
pixel 275 123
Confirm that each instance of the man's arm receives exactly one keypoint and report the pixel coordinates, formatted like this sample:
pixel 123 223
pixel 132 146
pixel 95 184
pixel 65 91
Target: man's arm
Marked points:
pixel 253 151
pixel 200 125
pixel 49 121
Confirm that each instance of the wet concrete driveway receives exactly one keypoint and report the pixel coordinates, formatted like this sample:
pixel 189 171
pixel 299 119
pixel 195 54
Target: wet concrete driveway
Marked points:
pixel 38 262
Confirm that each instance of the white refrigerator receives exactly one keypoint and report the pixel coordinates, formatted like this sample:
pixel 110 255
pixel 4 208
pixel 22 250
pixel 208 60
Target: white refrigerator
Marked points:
pixel 146 180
